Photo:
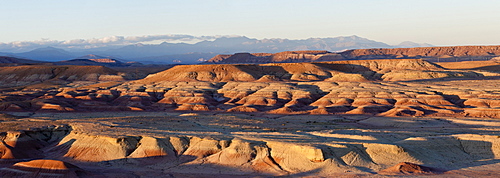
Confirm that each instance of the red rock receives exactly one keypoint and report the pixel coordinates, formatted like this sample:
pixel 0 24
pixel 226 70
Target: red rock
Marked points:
pixel 408 168
pixel 42 168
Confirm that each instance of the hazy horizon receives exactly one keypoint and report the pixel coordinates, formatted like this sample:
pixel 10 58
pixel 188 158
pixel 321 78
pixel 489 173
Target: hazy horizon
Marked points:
pixel 120 41
pixel 441 23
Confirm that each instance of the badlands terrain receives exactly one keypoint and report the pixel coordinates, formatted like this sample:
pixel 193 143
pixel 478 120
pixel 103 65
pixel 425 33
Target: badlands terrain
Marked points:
pixel 403 116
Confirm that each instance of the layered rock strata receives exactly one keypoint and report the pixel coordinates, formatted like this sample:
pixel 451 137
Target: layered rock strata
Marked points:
pixel 439 54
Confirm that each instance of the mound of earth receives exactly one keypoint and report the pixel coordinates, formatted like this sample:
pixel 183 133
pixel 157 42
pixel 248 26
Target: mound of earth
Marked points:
pixel 268 78
pixel 42 168
pixel 407 168
pixel 242 109
pixel 204 73
pixel 16 145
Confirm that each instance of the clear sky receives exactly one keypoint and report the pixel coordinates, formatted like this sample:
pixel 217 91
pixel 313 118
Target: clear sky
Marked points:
pixel 438 22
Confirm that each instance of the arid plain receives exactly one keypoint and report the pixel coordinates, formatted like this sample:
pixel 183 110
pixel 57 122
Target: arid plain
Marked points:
pixel 333 115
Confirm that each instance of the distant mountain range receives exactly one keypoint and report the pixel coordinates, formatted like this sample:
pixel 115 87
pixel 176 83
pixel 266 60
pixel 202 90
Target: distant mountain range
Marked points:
pixel 88 60
pixel 172 53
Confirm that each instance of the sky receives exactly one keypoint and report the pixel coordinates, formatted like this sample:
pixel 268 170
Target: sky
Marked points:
pixel 438 22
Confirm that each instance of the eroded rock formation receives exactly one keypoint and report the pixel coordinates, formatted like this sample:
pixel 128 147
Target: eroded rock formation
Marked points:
pixel 245 145
pixel 377 87
pixel 442 54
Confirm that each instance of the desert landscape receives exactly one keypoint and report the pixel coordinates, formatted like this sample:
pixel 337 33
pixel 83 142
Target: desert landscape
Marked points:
pixel 249 89
pixel 407 112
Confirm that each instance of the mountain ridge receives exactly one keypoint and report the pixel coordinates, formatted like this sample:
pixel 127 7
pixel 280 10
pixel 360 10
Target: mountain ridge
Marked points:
pixel 97 60
pixel 450 53
pixel 14 60
pixel 174 53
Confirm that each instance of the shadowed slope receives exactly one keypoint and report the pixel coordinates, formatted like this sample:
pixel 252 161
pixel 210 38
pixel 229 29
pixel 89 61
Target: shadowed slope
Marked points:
pixel 13 60
pixel 408 169
pixel 41 168
pixel 26 75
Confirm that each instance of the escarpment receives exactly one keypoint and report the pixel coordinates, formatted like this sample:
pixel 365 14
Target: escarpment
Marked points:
pixel 433 53
pixel 440 54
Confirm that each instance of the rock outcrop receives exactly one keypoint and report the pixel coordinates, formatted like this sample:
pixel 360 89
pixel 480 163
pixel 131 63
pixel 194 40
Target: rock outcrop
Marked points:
pixel 442 54
pixel 461 52
pixel 406 168
pixel 287 56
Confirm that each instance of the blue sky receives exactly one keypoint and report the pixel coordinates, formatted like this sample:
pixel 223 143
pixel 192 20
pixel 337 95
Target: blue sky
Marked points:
pixel 439 22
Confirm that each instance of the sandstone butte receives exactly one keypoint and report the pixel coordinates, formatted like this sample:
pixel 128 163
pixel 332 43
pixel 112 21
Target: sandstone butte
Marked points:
pixel 345 118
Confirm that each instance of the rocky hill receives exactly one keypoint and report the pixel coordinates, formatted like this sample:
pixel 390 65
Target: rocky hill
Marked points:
pixel 351 70
pixel 440 54
pixel 95 60
pixel 13 60
pixel 460 52
pixel 32 74
pixel 287 56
